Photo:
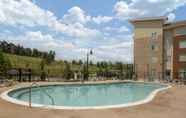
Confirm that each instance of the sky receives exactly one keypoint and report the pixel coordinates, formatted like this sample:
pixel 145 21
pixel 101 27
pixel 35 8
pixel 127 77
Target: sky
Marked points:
pixel 73 27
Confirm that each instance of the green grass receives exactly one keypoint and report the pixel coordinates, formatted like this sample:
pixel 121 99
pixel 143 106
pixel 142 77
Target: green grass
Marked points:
pixel 54 69
pixel 23 61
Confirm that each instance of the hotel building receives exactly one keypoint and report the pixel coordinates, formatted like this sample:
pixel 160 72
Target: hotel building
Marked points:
pixel 159 48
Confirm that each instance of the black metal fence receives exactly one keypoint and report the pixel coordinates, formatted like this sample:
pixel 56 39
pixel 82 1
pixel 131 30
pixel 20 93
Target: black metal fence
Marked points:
pixel 23 75
pixel 17 74
pixel 160 76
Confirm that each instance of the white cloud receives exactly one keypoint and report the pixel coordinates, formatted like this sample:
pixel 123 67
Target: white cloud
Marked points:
pixel 123 10
pixel 24 12
pixel 38 36
pixel 68 45
pixel 121 29
pixel 51 45
pixel 145 8
pixel 102 19
pixel 171 17
pixel 77 15
pixel 122 45
pixel 36 39
pixel 110 49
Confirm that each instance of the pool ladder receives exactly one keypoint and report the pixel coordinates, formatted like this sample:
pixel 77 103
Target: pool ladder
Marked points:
pixel 38 86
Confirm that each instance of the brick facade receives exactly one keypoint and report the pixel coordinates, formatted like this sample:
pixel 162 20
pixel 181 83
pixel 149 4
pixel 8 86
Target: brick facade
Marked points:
pixel 176 53
pixel 167 54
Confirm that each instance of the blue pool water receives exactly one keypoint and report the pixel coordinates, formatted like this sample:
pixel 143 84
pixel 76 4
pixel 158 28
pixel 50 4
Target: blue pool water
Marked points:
pixel 88 95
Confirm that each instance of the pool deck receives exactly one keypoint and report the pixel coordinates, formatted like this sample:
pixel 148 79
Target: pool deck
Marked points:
pixel 167 104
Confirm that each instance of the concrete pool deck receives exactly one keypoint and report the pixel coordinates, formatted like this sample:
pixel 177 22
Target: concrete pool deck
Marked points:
pixel 167 104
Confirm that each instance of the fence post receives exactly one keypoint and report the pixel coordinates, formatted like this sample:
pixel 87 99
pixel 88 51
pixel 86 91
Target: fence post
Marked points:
pixel 29 75
pixel 20 74
pixel 30 99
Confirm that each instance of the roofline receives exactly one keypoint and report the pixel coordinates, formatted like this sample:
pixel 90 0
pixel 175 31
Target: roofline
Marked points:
pixel 163 18
pixel 174 24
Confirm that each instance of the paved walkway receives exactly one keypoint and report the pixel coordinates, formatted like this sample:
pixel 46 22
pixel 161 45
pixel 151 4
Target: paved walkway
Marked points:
pixel 167 104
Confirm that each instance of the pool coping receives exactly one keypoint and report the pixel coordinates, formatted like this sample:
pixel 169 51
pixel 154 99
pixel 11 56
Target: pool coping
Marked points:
pixel 149 98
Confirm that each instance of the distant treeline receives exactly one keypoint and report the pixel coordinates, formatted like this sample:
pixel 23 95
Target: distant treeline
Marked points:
pixel 11 48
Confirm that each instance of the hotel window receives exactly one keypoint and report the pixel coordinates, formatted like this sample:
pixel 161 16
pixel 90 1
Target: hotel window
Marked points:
pixel 154 36
pixel 182 58
pixel 154 59
pixel 182 73
pixel 154 47
pixel 180 31
pixel 168 58
pixel 182 44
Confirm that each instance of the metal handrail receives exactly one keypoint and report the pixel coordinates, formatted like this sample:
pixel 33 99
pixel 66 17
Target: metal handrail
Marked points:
pixel 38 86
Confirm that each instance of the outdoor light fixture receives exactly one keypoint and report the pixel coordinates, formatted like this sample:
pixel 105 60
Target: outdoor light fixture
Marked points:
pixel 87 73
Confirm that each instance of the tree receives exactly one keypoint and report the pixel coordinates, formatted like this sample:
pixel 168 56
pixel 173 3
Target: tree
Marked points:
pixel 42 67
pixel 74 62
pixel 80 62
pixel 5 64
pixel 50 56
pixel 119 66
pixel 98 64
pixel 20 50
pixel 85 72
pixel 28 52
pixel 35 52
pixel 62 68
pixel 91 63
pixel 67 71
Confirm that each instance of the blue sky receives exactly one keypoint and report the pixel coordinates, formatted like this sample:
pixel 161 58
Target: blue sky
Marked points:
pixel 72 27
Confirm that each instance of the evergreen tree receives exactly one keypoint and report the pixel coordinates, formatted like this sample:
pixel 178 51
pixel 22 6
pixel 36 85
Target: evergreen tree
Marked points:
pixel 5 64
pixel 74 62
pixel 119 66
pixel 20 50
pixel 91 63
pixel 80 62
pixel 67 71
pixel 42 67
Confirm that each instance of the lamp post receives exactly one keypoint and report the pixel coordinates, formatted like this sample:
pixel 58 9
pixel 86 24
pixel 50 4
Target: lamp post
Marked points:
pixel 87 69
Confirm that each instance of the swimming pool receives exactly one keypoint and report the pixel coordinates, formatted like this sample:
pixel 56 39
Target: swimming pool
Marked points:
pixel 85 96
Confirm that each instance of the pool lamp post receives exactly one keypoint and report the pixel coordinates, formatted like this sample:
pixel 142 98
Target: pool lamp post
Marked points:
pixel 87 71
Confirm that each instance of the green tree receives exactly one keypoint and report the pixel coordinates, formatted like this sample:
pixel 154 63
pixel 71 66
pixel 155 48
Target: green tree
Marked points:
pixel 80 62
pixel 119 66
pixel 67 71
pixel 50 56
pixel 91 63
pixel 62 68
pixel 85 72
pixel 42 67
pixel 5 64
pixel 98 64
pixel 74 62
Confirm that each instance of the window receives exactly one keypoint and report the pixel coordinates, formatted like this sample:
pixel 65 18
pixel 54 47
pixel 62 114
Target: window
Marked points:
pixel 154 35
pixel 180 31
pixel 182 73
pixel 154 59
pixel 182 44
pixel 182 58
pixel 154 48
pixel 168 58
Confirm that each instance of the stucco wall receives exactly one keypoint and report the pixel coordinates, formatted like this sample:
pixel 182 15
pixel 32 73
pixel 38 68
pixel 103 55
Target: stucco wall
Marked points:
pixel 143 52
